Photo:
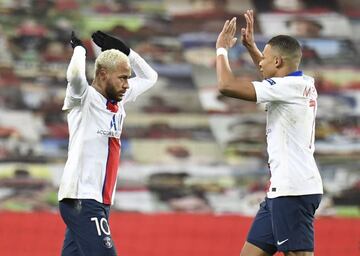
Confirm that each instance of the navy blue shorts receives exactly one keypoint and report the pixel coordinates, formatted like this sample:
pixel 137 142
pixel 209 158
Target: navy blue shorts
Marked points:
pixel 87 229
pixel 285 224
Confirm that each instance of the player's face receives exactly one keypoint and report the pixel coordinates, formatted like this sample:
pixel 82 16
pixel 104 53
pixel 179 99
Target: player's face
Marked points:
pixel 268 63
pixel 117 82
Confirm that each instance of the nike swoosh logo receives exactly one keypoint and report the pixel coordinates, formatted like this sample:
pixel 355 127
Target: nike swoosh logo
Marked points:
pixel 283 241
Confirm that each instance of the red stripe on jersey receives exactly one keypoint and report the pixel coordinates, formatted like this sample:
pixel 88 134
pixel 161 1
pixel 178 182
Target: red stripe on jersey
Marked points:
pixel 112 166
pixel 112 163
pixel 312 103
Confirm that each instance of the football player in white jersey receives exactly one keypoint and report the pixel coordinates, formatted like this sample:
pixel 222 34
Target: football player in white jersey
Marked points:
pixel 285 219
pixel 95 118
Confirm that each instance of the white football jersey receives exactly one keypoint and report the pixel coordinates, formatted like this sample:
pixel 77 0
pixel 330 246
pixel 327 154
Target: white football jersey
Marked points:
pixel 290 129
pixel 95 126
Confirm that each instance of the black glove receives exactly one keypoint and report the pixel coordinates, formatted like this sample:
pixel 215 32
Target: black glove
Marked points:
pixel 75 41
pixel 106 42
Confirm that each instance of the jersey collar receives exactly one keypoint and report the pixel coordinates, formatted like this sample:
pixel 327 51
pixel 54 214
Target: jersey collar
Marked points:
pixel 296 73
pixel 112 106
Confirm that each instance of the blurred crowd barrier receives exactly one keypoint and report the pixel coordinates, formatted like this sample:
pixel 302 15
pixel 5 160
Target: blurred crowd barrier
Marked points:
pixel 173 234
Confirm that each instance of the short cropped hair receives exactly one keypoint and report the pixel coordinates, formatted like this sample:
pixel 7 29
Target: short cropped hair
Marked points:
pixel 287 46
pixel 110 60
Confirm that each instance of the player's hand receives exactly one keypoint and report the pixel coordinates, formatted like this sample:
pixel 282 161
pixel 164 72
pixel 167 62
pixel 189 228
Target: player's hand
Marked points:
pixel 226 37
pixel 106 42
pixel 75 41
pixel 247 34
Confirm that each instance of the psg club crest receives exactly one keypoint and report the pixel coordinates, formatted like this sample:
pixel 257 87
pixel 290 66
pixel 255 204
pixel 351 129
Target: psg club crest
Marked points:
pixel 107 242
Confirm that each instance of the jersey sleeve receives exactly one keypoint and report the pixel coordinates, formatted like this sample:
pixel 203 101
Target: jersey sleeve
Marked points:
pixel 278 89
pixel 77 84
pixel 145 77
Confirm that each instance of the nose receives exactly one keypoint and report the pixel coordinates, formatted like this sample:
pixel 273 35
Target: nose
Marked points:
pixel 126 85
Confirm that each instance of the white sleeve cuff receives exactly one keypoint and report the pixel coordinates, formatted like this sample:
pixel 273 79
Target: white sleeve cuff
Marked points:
pixel 79 50
pixel 221 51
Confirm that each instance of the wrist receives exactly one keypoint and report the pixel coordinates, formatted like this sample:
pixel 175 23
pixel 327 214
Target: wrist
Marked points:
pixel 221 51
pixel 250 46
pixel 80 48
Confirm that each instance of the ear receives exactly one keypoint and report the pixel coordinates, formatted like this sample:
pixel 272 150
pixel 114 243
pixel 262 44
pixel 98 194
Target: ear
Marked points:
pixel 278 61
pixel 103 74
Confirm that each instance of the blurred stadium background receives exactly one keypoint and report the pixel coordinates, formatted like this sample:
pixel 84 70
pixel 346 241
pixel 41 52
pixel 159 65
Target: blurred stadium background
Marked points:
pixel 193 167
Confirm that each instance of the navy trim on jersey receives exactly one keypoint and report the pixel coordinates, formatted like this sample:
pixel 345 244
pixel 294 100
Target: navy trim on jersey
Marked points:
pixel 296 73
pixel 271 82
pixel 113 123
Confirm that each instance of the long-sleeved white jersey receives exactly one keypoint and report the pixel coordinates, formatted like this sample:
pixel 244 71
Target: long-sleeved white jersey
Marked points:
pixel 290 129
pixel 95 128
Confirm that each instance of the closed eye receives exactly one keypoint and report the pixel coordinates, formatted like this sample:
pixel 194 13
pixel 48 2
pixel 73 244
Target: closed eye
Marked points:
pixel 123 77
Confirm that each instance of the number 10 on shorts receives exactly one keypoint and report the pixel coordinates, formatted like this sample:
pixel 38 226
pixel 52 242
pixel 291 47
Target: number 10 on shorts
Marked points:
pixel 101 226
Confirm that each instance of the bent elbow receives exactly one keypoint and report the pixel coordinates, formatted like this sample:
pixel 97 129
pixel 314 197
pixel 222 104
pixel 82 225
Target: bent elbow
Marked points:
pixel 222 92
pixel 225 92
pixel 155 77
pixel 223 88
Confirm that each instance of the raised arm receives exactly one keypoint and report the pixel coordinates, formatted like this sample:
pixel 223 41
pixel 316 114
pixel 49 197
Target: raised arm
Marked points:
pixel 75 74
pixel 247 38
pixel 145 75
pixel 141 68
pixel 228 84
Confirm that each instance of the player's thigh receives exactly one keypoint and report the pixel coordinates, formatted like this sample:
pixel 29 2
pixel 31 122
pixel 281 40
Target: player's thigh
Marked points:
pixel 69 246
pixel 89 226
pixel 252 250
pixel 261 233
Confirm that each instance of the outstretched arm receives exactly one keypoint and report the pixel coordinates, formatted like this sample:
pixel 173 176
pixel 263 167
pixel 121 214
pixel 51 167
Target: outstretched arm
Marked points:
pixel 228 84
pixel 75 74
pixel 247 38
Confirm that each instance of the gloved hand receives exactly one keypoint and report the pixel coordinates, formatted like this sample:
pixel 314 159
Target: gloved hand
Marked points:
pixel 106 42
pixel 75 41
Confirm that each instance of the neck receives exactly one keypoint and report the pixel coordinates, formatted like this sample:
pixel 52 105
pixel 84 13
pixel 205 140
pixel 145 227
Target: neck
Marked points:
pixel 97 85
pixel 285 70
